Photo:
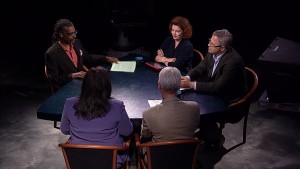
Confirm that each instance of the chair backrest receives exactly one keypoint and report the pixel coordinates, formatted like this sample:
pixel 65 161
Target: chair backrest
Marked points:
pixel 241 106
pixel 82 156
pixel 252 84
pixel 54 87
pixel 197 57
pixel 177 154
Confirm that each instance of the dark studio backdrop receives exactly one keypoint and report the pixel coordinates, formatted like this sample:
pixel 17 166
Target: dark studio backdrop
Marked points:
pixel 27 27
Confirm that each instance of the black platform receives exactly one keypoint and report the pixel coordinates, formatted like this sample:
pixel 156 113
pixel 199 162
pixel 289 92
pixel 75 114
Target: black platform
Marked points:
pixel 280 66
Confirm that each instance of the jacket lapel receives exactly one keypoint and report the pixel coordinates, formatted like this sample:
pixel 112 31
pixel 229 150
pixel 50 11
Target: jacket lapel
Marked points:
pixel 65 58
pixel 221 62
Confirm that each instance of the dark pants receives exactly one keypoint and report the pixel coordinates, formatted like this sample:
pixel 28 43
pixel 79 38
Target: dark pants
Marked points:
pixel 209 130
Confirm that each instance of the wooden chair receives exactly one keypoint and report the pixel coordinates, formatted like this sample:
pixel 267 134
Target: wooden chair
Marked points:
pixel 197 57
pixel 85 156
pixel 240 108
pixel 54 87
pixel 177 154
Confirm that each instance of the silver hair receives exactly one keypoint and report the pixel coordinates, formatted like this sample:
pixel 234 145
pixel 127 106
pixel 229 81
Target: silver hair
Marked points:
pixel 169 79
pixel 224 36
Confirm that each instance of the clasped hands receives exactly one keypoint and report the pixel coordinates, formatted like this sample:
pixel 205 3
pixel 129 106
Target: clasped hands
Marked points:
pixel 186 82
pixel 161 57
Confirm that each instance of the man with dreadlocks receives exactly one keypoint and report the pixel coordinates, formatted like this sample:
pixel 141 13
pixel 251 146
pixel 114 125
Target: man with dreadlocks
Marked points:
pixel 64 59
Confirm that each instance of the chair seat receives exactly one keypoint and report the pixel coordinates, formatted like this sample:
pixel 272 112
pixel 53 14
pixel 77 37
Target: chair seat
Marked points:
pixel 240 109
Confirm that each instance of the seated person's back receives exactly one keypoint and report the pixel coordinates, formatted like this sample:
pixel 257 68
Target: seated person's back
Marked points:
pixel 173 119
pixel 94 117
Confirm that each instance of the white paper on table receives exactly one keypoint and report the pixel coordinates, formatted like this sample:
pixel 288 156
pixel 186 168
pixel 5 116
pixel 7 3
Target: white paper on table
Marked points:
pixel 123 66
pixel 154 102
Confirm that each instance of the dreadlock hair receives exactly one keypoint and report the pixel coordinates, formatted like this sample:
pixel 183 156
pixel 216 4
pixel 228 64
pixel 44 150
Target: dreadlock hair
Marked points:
pixel 59 28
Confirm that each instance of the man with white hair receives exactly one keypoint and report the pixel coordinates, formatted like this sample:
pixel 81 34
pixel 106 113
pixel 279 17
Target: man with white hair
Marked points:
pixel 172 119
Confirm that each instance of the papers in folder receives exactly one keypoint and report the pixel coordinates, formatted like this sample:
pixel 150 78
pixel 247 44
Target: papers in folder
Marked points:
pixel 123 66
pixel 154 102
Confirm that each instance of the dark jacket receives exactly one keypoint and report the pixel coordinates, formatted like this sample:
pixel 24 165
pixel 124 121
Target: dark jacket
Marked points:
pixel 183 53
pixel 229 79
pixel 59 65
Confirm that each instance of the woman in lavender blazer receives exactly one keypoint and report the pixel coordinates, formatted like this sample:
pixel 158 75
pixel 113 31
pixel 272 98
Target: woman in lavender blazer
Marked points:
pixel 94 117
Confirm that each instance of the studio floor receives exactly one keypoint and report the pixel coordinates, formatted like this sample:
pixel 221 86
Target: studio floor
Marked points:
pixel 273 136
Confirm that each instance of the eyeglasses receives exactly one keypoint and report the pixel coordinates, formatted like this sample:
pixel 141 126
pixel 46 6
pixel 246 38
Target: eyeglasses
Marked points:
pixel 210 44
pixel 71 33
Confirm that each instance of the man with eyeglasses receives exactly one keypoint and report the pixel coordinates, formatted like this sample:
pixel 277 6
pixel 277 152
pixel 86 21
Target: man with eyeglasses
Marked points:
pixel 65 59
pixel 220 73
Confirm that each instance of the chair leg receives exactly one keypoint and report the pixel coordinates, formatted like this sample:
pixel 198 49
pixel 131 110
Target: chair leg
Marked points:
pixel 55 125
pixel 126 165
pixel 138 159
pixel 245 128
pixel 222 126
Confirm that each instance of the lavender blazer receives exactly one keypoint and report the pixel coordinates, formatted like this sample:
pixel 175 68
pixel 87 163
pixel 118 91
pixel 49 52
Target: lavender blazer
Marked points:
pixel 108 130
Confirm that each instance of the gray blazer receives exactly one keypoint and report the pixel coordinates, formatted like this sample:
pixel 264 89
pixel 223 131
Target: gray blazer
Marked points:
pixel 173 119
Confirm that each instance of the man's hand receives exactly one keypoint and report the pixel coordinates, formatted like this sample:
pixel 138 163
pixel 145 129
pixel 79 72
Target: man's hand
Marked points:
pixel 112 59
pixel 80 74
pixel 186 83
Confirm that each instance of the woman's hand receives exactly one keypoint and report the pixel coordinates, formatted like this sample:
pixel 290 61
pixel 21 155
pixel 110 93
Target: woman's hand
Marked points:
pixel 160 53
pixel 160 56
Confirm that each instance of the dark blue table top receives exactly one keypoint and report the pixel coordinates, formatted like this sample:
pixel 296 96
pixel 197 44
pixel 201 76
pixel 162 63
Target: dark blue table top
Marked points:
pixel 208 103
pixel 134 89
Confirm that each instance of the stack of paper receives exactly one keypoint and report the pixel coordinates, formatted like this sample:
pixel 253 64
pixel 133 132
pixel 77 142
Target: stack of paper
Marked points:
pixel 154 102
pixel 123 66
